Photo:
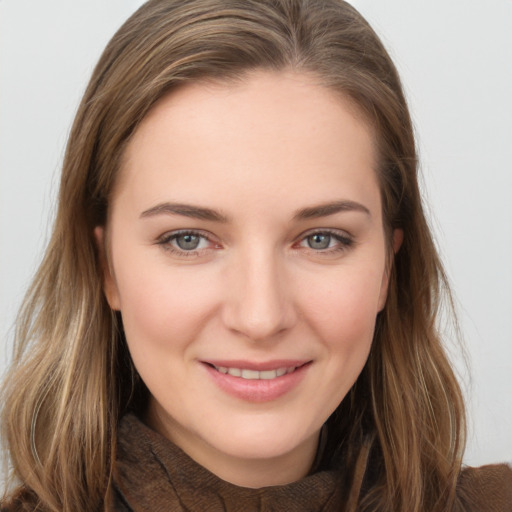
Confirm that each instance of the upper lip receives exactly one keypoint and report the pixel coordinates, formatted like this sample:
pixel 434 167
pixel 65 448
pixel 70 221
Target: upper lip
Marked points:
pixel 259 366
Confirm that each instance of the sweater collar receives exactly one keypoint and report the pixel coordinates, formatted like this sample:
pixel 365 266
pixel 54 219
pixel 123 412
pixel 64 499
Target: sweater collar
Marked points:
pixel 153 474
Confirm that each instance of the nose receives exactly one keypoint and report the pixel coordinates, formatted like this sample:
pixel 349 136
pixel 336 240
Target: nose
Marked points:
pixel 259 304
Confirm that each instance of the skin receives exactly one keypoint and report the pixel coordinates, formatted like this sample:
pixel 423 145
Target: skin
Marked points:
pixel 259 286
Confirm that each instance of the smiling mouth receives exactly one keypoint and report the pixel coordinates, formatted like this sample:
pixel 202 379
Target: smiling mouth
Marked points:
pixel 257 382
pixel 248 374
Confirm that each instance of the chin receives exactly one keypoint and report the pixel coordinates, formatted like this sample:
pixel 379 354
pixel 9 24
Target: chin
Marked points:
pixel 262 441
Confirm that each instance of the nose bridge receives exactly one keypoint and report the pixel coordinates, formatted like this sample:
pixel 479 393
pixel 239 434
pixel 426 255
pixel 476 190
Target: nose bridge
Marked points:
pixel 259 304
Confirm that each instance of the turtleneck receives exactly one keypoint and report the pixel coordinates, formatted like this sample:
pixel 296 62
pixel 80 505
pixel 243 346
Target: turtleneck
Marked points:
pixel 153 474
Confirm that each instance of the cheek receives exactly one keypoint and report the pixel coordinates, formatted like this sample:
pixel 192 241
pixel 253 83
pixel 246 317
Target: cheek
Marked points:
pixel 341 315
pixel 348 302
pixel 342 312
pixel 163 309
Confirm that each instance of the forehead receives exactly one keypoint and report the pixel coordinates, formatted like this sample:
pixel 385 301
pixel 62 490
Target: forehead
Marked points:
pixel 267 132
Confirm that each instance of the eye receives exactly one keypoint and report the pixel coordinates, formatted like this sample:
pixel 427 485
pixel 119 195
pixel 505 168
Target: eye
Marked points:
pixel 326 241
pixel 186 243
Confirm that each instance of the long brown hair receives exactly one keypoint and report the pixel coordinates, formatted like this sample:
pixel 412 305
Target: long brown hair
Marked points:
pixel 72 378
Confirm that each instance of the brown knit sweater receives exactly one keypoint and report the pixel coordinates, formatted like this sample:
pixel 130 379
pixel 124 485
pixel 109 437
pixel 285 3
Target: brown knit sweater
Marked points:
pixel 154 475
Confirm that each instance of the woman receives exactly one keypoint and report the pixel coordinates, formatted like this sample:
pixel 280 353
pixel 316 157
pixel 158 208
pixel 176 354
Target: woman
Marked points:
pixel 237 308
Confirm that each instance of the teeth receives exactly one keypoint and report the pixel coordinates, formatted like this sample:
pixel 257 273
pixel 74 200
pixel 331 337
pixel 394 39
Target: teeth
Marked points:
pixel 269 374
pixel 250 374
pixel 254 374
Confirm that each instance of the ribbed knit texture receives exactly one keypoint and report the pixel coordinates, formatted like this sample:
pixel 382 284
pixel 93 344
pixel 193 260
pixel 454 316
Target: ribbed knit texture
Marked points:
pixel 154 475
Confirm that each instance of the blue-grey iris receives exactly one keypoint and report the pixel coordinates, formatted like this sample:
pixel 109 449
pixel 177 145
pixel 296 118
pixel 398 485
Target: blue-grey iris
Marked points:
pixel 188 242
pixel 319 241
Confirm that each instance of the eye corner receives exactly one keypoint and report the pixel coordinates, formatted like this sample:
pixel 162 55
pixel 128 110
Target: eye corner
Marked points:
pixel 329 242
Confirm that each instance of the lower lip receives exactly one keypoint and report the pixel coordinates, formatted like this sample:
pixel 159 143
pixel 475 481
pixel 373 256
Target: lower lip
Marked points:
pixel 258 390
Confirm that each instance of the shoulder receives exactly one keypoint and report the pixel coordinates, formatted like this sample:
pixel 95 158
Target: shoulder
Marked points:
pixel 486 488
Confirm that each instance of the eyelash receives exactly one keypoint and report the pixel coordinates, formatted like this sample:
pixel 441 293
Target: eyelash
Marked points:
pixel 166 240
pixel 344 242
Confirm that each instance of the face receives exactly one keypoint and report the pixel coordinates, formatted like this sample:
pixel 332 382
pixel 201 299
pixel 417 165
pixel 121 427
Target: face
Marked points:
pixel 248 261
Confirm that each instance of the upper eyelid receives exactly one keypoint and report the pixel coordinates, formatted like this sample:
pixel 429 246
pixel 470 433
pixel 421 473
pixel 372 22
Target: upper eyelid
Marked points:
pixel 168 237
pixel 330 231
pixel 177 232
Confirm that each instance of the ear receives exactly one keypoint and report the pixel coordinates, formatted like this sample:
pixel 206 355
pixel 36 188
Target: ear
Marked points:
pixel 398 238
pixel 109 282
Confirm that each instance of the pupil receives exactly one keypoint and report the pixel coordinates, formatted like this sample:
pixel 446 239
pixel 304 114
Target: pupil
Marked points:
pixel 319 241
pixel 187 242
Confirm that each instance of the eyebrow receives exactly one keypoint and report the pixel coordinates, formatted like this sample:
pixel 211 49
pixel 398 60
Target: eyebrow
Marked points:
pixel 198 212
pixel 186 210
pixel 325 209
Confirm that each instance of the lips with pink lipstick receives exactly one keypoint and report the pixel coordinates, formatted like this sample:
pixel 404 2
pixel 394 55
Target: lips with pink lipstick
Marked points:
pixel 257 382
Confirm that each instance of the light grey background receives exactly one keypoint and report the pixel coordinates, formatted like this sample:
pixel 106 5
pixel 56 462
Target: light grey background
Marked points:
pixel 455 57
